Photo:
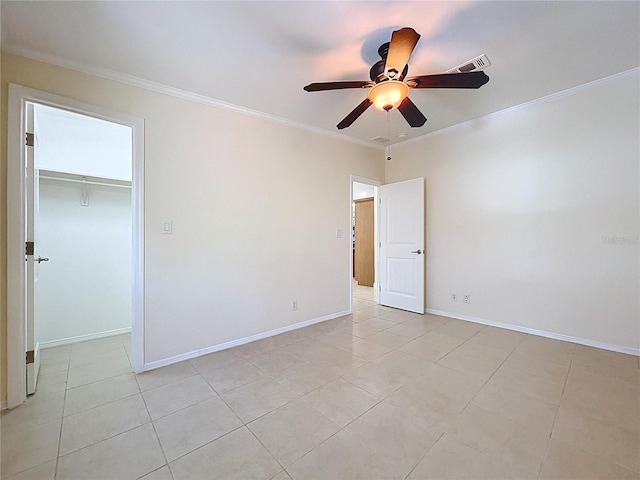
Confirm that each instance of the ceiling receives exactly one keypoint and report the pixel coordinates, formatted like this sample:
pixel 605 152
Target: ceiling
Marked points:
pixel 259 55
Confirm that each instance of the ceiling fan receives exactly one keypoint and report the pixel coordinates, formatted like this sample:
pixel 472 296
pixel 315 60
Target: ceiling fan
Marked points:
pixel 389 85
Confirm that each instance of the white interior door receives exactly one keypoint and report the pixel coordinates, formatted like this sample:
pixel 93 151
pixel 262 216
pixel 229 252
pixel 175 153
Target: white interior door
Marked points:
pixel 33 260
pixel 402 245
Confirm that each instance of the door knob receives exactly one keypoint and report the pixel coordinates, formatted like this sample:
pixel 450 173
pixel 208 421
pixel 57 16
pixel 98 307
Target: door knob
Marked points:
pixel 417 251
pixel 41 259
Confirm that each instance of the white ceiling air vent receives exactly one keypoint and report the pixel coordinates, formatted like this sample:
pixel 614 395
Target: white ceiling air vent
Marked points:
pixel 477 63
pixel 380 139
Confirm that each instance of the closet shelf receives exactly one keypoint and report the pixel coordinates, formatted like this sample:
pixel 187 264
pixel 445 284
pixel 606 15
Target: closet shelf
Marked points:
pixel 89 180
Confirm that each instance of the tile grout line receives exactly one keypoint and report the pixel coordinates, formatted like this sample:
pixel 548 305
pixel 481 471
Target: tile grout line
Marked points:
pixel 342 428
pixel 573 364
pixel 155 431
pixel 425 454
pixel 246 425
pixel 151 420
pixel 168 464
pixel 112 436
pixel 300 397
pixel 64 406
pixel 490 376
pixel 204 445
pixel 479 390
pixel 335 433
pixel 555 418
pixel 181 408
pixel 63 417
pixel 596 455
pixel 164 454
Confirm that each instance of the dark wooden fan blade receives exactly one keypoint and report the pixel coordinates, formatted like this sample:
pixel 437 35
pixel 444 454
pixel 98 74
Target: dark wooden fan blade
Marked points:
pixel 401 47
pixel 318 87
pixel 355 113
pixel 411 114
pixel 449 80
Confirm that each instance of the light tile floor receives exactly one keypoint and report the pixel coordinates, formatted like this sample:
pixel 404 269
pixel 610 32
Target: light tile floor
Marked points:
pixel 379 394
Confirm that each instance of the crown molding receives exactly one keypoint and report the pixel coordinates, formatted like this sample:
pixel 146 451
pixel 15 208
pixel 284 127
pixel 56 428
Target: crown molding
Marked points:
pixel 174 92
pixel 547 98
pixel 202 99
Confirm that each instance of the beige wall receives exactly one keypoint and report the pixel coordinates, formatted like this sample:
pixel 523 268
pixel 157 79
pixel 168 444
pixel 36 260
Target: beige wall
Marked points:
pixel 247 237
pixel 522 210
pixel 535 213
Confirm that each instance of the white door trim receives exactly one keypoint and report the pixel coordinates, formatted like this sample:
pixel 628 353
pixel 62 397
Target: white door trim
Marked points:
pixel 366 181
pixel 18 97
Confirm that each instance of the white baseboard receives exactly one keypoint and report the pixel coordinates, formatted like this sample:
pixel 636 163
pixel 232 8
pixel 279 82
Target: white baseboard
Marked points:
pixel 3 405
pixel 540 333
pixel 83 338
pixel 240 341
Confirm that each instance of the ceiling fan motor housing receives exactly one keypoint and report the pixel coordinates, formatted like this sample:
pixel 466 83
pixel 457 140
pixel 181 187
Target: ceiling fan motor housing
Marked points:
pixel 377 73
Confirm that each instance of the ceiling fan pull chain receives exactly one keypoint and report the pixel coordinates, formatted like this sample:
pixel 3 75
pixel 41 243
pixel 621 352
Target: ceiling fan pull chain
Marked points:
pixel 388 135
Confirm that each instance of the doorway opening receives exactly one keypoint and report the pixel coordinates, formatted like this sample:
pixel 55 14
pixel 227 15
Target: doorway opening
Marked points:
pixel 84 166
pixel 364 239
pixel 399 244
pixel 75 202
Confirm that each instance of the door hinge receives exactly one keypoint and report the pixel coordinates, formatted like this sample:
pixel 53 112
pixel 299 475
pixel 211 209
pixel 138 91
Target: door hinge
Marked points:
pixel 30 356
pixel 30 140
pixel 29 248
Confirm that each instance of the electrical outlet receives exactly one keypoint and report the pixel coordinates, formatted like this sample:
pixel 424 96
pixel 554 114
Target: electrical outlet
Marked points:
pixel 294 305
pixel 466 298
pixel 454 297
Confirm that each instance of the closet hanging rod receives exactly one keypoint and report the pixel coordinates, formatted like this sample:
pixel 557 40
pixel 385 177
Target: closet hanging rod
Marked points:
pixel 88 182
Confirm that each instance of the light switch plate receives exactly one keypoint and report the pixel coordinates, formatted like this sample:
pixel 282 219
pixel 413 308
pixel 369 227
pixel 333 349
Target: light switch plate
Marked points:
pixel 166 227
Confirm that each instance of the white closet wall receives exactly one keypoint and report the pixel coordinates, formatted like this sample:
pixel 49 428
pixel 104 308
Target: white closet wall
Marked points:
pixel 85 288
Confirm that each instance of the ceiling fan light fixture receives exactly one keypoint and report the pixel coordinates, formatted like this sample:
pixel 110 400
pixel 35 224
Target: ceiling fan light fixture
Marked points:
pixel 388 95
pixel 390 90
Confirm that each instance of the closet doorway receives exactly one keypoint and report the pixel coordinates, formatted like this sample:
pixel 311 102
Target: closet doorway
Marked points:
pixel 24 255
pixel 83 291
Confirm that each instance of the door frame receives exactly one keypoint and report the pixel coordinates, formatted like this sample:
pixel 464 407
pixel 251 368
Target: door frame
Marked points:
pixel 19 96
pixel 374 183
